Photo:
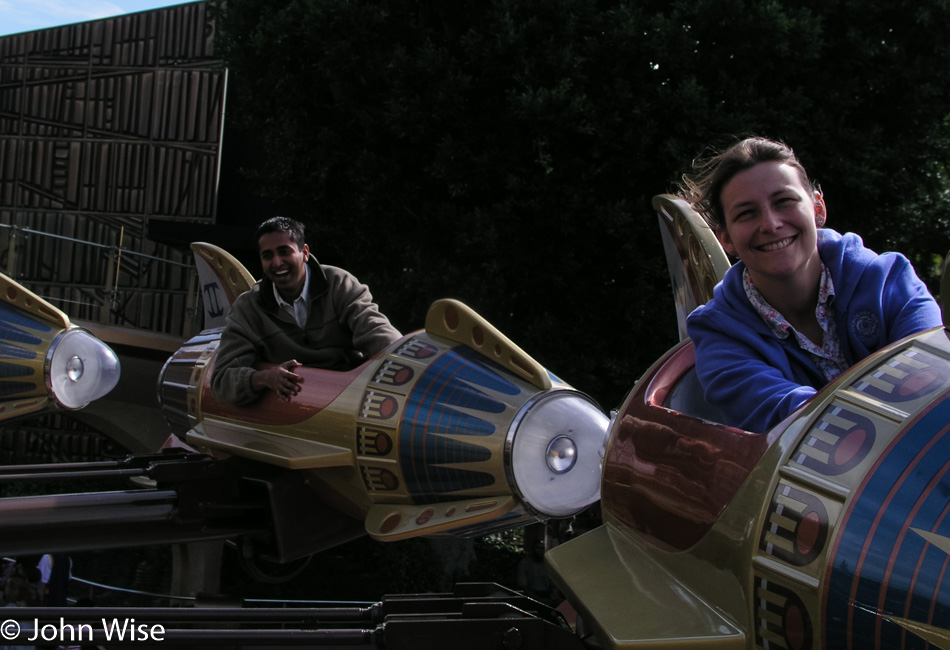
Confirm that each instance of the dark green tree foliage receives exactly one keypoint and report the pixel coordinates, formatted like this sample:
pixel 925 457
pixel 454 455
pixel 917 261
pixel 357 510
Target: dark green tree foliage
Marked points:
pixel 504 152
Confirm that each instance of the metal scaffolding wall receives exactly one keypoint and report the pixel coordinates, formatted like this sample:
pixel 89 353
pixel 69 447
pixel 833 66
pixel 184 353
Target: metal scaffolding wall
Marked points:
pixel 105 125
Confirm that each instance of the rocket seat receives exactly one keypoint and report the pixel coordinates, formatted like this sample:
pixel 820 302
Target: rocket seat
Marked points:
pixel 676 386
pixel 687 396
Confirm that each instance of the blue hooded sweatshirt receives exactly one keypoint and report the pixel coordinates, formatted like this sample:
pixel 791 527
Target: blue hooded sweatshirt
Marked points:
pixel 756 378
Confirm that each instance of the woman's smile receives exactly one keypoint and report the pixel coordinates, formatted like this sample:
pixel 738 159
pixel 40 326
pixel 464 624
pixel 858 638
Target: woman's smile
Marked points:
pixel 777 245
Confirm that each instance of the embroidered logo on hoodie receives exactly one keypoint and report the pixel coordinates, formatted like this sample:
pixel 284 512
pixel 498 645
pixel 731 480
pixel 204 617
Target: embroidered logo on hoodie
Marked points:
pixel 865 325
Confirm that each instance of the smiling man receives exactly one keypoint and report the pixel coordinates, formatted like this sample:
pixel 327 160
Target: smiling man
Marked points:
pixel 300 313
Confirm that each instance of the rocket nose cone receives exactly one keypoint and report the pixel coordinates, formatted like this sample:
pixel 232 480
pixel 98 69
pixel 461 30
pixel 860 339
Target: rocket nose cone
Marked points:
pixel 80 368
pixel 556 450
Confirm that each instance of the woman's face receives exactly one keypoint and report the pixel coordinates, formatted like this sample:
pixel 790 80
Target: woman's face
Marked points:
pixel 770 222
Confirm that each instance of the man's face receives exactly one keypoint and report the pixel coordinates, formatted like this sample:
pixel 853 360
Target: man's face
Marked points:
pixel 284 263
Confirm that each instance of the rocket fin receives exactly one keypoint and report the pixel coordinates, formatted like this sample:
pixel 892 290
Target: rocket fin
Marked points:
pixel 694 256
pixel 14 293
pixel 456 321
pixel 594 577
pixel 20 407
pixel 222 278
pixel 266 447
pixel 391 522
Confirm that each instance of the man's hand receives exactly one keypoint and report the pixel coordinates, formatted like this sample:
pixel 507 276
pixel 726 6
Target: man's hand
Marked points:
pixel 280 378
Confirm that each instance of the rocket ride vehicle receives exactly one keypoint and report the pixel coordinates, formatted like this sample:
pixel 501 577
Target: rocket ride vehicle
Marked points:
pixel 46 362
pixel 450 429
pixel 829 531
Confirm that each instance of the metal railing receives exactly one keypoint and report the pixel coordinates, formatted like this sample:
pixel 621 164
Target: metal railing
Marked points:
pixel 113 286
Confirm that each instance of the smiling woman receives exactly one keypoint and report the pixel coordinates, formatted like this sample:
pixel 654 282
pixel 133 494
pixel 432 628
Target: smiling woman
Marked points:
pixel 803 303
pixel 771 221
pixel 28 15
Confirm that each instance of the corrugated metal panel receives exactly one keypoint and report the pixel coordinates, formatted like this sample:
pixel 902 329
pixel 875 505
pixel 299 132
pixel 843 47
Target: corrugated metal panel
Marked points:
pixel 119 116
pixel 103 125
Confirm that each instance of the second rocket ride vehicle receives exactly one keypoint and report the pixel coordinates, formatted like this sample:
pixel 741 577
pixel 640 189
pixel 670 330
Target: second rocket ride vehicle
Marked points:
pixel 451 429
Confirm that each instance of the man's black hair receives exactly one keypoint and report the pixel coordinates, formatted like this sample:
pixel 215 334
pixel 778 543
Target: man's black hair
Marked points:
pixel 282 224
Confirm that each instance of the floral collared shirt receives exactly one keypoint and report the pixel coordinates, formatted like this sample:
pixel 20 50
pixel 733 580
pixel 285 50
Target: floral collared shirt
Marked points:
pixel 828 357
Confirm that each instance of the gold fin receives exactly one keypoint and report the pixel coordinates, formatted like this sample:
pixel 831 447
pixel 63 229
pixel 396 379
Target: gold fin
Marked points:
pixel 456 321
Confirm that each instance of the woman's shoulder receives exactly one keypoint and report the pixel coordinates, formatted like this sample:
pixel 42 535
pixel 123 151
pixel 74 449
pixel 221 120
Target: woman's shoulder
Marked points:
pixel 846 253
pixel 847 243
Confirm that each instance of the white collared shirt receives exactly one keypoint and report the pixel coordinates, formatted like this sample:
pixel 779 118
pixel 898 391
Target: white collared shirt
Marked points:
pixel 297 309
